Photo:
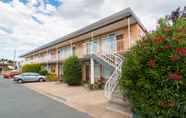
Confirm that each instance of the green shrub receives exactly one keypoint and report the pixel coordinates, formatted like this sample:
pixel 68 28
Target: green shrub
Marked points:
pixel 43 72
pixel 72 71
pixel 31 68
pixel 51 77
pixel 154 72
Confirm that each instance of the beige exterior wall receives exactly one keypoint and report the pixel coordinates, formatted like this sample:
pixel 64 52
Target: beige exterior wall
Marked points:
pixel 52 56
pixel 81 47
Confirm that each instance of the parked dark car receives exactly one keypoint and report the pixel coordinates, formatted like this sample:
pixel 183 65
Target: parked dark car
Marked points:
pixel 29 77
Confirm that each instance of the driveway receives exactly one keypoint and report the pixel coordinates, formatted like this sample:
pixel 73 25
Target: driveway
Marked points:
pixel 92 102
pixel 17 101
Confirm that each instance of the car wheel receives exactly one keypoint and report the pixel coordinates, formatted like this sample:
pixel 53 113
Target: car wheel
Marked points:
pixel 41 80
pixel 20 81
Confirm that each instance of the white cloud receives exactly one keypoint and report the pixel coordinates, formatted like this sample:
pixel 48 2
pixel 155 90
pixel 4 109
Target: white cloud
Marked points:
pixel 26 33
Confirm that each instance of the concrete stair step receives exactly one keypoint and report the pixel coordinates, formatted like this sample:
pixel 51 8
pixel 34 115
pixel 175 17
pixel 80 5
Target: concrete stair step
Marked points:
pixel 117 94
pixel 119 103
pixel 114 95
pixel 122 102
pixel 115 107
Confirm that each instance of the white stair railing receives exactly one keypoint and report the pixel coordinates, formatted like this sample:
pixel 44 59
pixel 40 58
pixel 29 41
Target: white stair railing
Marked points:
pixel 108 58
pixel 116 61
pixel 111 84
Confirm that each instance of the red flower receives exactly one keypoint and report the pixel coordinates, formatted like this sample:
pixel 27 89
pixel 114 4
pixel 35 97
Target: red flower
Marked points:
pixel 151 63
pixel 181 51
pixel 164 48
pixel 167 47
pixel 174 58
pixel 159 39
pixel 160 49
pixel 174 76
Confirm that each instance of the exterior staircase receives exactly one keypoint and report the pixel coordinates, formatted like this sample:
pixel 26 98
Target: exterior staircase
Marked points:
pixel 116 101
pixel 116 61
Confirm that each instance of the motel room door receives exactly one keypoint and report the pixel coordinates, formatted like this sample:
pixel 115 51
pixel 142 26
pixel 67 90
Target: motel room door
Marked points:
pixel 87 72
pixel 120 43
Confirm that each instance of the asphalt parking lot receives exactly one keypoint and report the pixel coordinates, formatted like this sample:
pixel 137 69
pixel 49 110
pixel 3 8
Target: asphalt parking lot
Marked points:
pixel 17 101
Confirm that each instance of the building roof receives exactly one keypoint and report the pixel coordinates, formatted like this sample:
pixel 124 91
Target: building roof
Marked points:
pixel 101 23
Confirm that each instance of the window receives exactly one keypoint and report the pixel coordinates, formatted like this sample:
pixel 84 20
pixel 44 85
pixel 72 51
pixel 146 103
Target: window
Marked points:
pixel 109 44
pixel 30 74
pixel 66 52
pixel 120 42
pixel 34 74
pixel 107 72
pixel 92 47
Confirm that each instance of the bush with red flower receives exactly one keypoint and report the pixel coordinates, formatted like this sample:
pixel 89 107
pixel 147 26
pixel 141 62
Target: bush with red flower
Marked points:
pixel 154 72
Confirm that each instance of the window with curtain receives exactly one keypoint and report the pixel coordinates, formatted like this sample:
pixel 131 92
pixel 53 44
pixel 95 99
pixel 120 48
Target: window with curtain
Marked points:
pixel 106 72
pixel 66 52
pixel 109 44
pixel 92 47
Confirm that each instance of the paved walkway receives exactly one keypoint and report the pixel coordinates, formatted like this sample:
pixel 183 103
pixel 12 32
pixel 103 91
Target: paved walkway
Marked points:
pixel 17 101
pixel 92 102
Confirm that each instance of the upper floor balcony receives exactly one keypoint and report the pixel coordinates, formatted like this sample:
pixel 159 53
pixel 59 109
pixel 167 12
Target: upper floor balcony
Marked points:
pixel 109 44
pixel 42 59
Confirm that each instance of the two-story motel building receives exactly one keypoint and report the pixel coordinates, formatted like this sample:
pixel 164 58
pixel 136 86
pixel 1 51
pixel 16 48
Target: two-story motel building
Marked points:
pixel 113 34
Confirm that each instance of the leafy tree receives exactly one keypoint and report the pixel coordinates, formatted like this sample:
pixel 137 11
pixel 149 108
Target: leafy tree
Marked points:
pixel 72 71
pixel 154 71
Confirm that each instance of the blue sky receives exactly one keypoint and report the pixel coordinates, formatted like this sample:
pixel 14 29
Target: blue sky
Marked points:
pixel 27 24
pixel 55 3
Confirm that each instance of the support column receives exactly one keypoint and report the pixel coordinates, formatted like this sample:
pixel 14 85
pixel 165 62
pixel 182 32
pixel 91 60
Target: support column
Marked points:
pixel 57 64
pixel 99 46
pixel 91 43
pixel 129 33
pixel 71 46
pixel 48 60
pixel 84 72
pixel 92 81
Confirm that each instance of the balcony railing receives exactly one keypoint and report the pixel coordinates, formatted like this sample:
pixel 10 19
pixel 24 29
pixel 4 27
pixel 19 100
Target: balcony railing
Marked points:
pixel 52 58
pixel 44 59
pixel 83 50
pixel 65 56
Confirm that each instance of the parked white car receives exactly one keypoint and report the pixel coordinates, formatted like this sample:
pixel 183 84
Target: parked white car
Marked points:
pixel 29 77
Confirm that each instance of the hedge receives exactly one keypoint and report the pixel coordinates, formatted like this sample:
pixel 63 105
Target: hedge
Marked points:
pixel 31 68
pixel 154 72
pixel 43 72
pixel 72 71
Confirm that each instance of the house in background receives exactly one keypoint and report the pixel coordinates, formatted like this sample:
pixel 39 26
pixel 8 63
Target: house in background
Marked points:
pixel 99 46
pixel 7 65
pixel 3 67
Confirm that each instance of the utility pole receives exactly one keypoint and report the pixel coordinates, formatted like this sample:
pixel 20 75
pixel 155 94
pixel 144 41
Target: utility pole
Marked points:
pixel 14 59
pixel 14 56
